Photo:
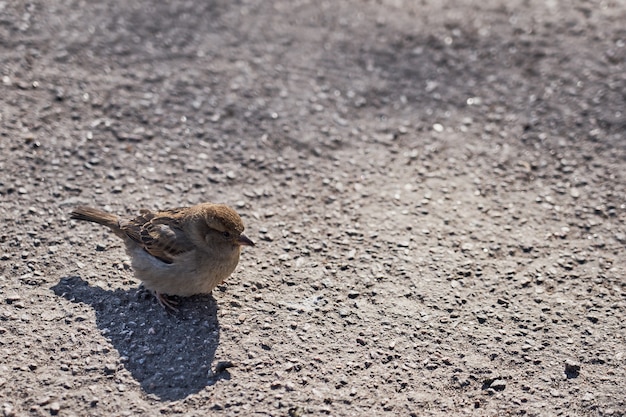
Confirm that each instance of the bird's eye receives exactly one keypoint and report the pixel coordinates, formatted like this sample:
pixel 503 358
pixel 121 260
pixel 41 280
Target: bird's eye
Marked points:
pixel 226 234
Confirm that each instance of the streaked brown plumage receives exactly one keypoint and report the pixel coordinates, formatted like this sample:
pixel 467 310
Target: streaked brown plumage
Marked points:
pixel 182 251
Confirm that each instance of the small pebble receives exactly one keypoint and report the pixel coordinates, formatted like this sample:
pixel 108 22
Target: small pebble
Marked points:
pixel 43 400
pixel 54 408
pixel 572 368
pixel 8 410
pixel 222 366
pixel 109 369
pixel 12 298
pixel 588 397
pixel 498 385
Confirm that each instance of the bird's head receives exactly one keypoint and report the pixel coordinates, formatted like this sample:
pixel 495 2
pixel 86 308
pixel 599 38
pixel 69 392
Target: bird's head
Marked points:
pixel 224 226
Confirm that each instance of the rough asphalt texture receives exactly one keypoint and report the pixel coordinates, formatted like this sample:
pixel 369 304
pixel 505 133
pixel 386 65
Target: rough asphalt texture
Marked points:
pixel 437 190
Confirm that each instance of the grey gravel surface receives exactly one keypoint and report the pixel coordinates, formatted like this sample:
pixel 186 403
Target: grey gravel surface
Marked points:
pixel 436 188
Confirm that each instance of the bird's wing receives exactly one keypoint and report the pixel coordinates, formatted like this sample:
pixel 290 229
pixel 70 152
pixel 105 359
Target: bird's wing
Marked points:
pixel 159 234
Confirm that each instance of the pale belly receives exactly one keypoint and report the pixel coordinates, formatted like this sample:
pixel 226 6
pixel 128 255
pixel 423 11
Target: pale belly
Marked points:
pixel 189 274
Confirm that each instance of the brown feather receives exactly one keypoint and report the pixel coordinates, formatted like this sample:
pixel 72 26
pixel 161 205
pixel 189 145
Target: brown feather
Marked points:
pixel 89 214
pixel 158 234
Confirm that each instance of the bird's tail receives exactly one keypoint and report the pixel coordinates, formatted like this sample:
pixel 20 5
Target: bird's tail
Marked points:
pixel 89 214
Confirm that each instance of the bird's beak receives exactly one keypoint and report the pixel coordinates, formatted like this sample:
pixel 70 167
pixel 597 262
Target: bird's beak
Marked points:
pixel 243 240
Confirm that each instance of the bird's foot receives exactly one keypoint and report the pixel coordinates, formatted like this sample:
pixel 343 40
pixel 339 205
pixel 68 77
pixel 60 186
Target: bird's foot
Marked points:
pixel 165 302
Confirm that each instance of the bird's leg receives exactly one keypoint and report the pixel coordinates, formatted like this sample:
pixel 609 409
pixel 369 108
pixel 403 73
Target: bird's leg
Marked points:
pixel 165 302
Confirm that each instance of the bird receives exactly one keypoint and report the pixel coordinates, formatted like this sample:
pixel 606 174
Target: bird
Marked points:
pixel 181 251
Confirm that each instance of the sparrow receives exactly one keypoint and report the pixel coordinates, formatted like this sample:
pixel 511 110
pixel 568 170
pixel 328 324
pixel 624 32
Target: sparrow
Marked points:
pixel 181 251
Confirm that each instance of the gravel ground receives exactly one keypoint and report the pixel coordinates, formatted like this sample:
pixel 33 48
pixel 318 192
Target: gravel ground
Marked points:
pixel 436 188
